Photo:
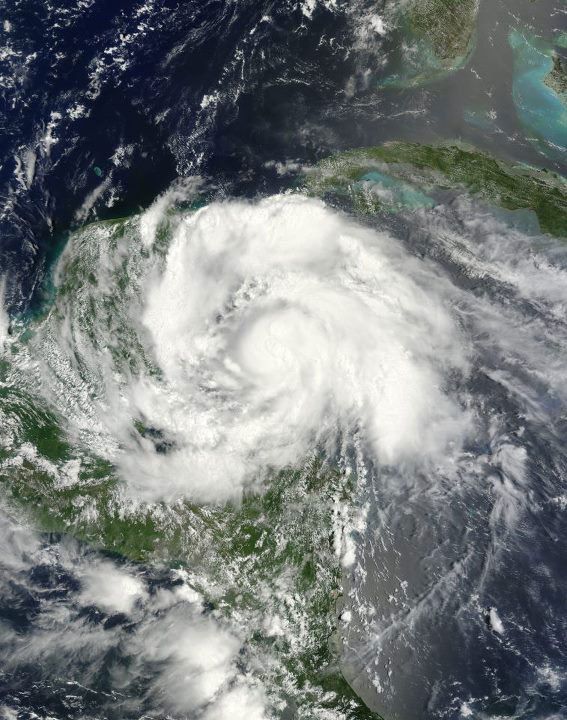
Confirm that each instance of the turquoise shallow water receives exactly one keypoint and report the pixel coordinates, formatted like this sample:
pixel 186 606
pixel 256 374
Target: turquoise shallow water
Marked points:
pixel 397 192
pixel 539 108
pixel 374 381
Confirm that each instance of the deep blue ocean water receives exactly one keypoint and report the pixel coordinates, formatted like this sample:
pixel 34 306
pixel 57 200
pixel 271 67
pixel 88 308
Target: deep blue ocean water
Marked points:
pixel 104 105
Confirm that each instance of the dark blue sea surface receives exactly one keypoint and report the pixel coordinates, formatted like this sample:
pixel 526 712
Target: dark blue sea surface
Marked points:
pixel 105 104
pixel 456 606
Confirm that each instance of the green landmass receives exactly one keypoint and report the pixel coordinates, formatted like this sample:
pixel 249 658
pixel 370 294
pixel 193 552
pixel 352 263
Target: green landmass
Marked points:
pixel 447 24
pixel 448 167
pixel 536 84
pixel 272 555
pixel 438 38
pixel 557 78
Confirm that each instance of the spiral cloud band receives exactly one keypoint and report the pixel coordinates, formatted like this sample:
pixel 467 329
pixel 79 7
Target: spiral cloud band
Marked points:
pixel 277 324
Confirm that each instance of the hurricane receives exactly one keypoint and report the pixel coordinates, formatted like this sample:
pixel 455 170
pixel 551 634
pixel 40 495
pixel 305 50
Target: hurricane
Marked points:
pixel 283 349
pixel 262 332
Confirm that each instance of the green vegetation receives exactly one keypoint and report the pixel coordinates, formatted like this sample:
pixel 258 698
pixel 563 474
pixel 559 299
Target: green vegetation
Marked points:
pixel 269 559
pixel 447 167
pixel 438 37
pixel 447 24
pixel 268 563
pixel 557 78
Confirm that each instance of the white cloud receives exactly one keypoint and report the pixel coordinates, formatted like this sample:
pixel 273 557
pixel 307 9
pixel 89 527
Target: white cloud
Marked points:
pixel 240 703
pixel 495 621
pixel 277 323
pixel 110 588
pixel 189 661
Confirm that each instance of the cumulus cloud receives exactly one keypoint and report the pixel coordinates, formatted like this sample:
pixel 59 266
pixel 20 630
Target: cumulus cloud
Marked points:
pixel 188 662
pixel 258 333
pixel 110 588
pixel 276 325
pixel 199 666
